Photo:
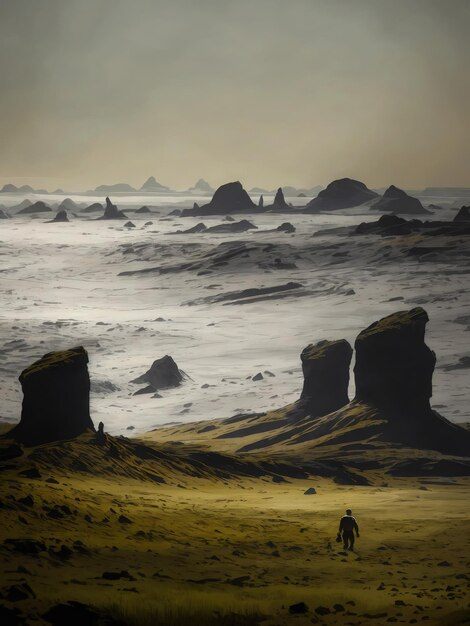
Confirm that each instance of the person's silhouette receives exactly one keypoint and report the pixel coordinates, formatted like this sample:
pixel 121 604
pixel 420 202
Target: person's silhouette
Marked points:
pixel 347 526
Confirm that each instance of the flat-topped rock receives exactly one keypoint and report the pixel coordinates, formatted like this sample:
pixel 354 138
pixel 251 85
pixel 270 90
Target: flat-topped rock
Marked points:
pixel 394 366
pixel 325 366
pixel 56 401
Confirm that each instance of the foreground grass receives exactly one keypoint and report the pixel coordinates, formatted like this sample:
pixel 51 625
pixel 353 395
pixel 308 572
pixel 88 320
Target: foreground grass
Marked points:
pixel 240 553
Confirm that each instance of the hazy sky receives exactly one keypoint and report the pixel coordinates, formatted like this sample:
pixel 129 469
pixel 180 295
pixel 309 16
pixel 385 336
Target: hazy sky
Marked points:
pixel 270 92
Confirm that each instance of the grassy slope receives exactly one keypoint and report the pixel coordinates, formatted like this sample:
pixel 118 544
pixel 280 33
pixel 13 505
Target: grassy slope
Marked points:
pixel 185 547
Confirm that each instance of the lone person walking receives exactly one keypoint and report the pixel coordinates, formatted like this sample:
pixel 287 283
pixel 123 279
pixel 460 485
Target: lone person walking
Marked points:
pixel 347 526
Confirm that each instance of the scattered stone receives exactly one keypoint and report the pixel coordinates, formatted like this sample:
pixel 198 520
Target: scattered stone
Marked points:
pixel 322 610
pixel 298 609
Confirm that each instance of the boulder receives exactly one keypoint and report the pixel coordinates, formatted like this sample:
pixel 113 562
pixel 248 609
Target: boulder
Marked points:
pixel 111 212
pixel 61 216
pixel 56 398
pixel 325 366
pixel 341 194
pixel 396 200
pixel 129 225
pixel 163 373
pixel 286 227
pixel 463 215
pixel 229 198
pixel 198 228
pixel 234 227
pixel 394 366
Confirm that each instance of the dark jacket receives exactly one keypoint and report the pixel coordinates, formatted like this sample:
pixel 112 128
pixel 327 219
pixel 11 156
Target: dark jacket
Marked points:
pixel 348 523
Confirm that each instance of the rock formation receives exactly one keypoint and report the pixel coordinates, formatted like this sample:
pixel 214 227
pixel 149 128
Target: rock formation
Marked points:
pixel 233 227
pixel 388 225
pixel 229 198
pixel 111 212
pixel 325 367
pixel 394 366
pixel 279 203
pixel 143 209
pixel 3 215
pixel 261 202
pixel 96 206
pixel 163 373
pixel 463 215
pixel 56 392
pixel 341 194
pixel 36 207
pixel 129 225
pixel 396 200
pixel 198 228
pixel 61 216
pixel 68 205
pixel 286 227
pixel 393 374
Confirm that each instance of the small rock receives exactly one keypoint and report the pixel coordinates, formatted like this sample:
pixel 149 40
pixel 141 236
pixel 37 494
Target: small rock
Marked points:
pixel 298 609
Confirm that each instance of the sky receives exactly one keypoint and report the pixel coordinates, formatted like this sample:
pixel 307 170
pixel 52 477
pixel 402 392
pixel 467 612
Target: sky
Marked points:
pixel 268 92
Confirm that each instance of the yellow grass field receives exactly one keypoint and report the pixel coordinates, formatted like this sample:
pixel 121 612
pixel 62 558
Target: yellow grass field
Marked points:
pixel 239 551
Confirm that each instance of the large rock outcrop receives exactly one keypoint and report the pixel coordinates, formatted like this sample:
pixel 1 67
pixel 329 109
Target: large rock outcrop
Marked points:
pixel 325 367
pixel 341 194
pixel 279 204
pixel 56 402
pixel 229 198
pixel 394 366
pixel 111 212
pixel 396 200
pixel 163 374
pixel 463 215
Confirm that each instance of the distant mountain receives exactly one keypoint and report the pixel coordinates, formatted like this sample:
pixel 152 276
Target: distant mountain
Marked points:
pixel 202 186
pixel 450 192
pixel 290 191
pixel 259 190
pixel 151 184
pixel 118 188
pixel 9 188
